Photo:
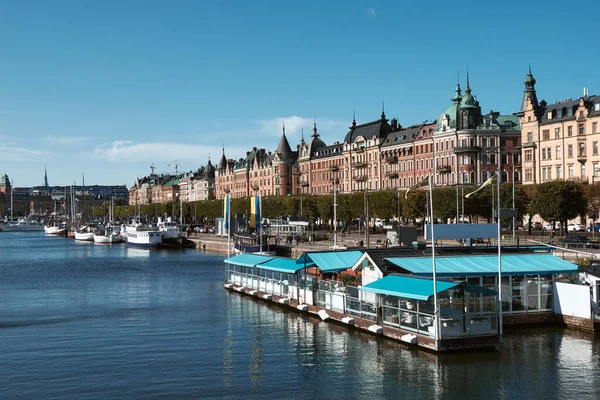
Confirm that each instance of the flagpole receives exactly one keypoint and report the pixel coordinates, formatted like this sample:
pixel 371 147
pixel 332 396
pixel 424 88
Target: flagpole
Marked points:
pixel 259 221
pixel 499 179
pixel 435 300
pixel 228 219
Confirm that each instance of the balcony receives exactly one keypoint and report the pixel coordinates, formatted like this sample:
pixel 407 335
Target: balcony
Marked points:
pixel 467 149
pixel 444 169
pixel 360 178
pixel 255 186
pixel 360 164
pixel 335 168
pixel 304 184
pixel 391 174
pixel 391 160
pixel 582 158
pixel 529 144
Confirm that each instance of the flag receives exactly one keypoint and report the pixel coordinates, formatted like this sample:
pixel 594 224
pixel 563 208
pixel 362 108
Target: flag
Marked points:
pixel 255 217
pixel 424 182
pixel 485 184
pixel 226 210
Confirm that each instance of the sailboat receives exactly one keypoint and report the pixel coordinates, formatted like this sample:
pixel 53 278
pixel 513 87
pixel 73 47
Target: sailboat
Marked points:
pixel 111 233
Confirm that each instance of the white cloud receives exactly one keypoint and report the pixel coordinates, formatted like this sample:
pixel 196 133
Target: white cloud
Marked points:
pixel 67 140
pixel 190 156
pixel 294 125
pixel 372 12
pixel 9 152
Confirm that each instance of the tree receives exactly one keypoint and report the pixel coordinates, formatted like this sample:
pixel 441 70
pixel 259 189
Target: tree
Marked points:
pixel 413 206
pixel 384 204
pixel 559 201
pixel 325 207
pixel 444 203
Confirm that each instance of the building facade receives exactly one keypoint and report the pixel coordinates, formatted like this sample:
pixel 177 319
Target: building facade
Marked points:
pixel 560 140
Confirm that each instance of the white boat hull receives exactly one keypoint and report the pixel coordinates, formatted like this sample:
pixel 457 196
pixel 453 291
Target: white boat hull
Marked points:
pixel 108 239
pixel 55 230
pixel 84 236
pixel 143 239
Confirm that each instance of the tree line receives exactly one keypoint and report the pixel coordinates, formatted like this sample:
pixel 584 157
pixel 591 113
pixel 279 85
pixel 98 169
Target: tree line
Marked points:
pixel 555 201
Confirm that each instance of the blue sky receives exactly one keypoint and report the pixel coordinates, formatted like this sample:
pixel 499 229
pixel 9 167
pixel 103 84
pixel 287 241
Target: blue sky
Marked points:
pixel 107 88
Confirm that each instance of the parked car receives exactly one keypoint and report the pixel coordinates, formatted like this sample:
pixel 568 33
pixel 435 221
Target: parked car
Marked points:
pixel 596 227
pixel 575 241
pixel 548 227
pixel 536 226
pixel 576 228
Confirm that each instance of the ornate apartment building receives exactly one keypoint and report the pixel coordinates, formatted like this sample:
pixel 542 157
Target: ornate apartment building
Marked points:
pixel 259 173
pixel 164 188
pixel 560 140
pixel 462 146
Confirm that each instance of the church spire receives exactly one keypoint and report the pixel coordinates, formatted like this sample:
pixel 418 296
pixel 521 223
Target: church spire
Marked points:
pixel 45 176
pixel 383 118
pixel 468 88
pixel 529 92
pixel 315 134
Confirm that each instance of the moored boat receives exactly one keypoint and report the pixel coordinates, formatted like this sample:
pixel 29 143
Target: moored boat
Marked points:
pixel 108 236
pixel 23 225
pixel 143 236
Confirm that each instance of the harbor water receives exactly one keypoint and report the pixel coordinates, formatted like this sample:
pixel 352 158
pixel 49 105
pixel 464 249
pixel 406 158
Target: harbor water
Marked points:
pixel 86 321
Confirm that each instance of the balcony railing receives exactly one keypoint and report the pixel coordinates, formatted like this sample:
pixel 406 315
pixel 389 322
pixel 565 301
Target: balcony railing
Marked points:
pixel 391 174
pixel 467 149
pixel 444 168
pixel 360 164
pixel 334 168
pixel 391 160
pixel 360 178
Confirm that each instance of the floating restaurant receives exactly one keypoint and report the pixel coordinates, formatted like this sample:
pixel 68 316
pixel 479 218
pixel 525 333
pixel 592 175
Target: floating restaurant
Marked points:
pixel 391 292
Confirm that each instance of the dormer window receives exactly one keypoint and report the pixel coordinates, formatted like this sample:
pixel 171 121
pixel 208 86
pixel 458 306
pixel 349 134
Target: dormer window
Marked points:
pixel 597 107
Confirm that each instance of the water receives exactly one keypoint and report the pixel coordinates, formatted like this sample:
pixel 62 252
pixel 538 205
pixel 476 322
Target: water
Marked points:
pixel 85 321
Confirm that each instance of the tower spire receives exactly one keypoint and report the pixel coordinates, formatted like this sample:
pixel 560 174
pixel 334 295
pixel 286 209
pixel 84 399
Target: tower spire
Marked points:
pixel 353 118
pixel 467 88
pixel 45 176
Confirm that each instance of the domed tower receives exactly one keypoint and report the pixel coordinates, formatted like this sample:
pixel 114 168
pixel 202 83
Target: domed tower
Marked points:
pixel 222 162
pixel 209 171
pixel 315 143
pixel 469 111
pixel 529 93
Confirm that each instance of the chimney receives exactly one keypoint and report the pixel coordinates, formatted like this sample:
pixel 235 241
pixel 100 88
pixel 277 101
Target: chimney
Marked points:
pixel 394 123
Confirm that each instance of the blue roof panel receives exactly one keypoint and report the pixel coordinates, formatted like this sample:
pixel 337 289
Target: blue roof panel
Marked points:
pixel 288 265
pixel 405 286
pixel 512 264
pixel 332 261
pixel 248 260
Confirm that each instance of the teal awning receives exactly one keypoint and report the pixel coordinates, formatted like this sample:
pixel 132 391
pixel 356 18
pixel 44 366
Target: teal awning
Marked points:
pixel 512 264
pixel 331 261
pixel 248 260
pixel 405 286
pixel 288 265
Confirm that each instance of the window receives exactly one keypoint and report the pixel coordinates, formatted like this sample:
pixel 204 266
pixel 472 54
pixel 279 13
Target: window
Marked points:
pixel 583 170
pixel 558 172
pixel 543 154
pixel 557 133
pixel 571 171
pixel 529 137
pixel 570 151
pixel 549 153
pixel 581 114
pixel 492 142
pixel 569 131
pixel 594 127
pixel 528 175
pixel 595 148
pixel 528 155
pixel 543 174
pixel 483 142
pixel 596 169
pixel 546 134
pixel 549 173
pixel 582 149
pixel 581 129
pixel 558 152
